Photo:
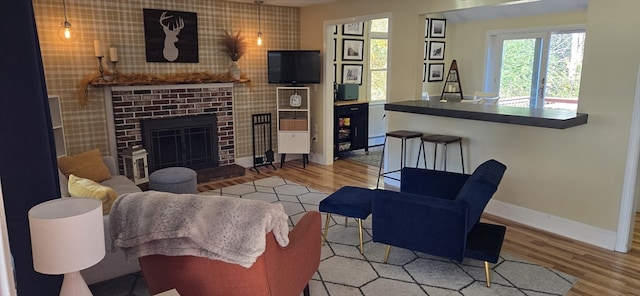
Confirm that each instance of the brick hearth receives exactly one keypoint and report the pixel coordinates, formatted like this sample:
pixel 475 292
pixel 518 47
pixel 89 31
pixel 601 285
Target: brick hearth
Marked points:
pixel 130 104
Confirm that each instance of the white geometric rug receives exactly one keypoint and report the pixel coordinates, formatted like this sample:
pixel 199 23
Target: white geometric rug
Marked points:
pixel 344 271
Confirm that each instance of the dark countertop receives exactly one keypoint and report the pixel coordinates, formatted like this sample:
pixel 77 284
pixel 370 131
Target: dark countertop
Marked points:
pixel 550 118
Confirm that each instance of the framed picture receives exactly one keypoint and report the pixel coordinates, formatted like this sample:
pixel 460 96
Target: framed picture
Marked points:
pixel 170 36
pixel 352 74
pixel 436 72
pixel 352 49
pixel 436 50
pixel 424 72
pixel 438 28
pixel 335 48
pixel 426 27
pixel 353 29
pixel 426 50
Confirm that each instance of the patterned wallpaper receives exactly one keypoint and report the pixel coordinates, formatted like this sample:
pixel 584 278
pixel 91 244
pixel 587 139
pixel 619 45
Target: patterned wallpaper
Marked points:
pixel 119 23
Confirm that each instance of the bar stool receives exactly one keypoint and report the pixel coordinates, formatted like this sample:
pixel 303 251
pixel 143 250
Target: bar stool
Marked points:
pixel 443 140
pixel 404 136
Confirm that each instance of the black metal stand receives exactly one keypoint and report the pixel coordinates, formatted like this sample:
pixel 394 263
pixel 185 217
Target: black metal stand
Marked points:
pixel 262 144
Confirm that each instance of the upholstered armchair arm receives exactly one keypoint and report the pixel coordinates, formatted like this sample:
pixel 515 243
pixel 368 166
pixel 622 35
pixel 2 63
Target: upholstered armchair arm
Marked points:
pixel 432 183
pixel 421 223
pixel 290 268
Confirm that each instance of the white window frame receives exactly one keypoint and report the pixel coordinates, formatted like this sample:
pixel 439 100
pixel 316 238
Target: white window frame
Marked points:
pixel 493 60
pixel 372 36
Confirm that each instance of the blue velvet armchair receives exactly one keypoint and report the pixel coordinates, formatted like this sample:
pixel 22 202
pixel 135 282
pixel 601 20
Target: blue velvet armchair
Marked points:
pixel 438 213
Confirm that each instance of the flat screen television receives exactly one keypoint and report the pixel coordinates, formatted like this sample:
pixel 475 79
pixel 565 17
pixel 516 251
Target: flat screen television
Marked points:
pixel 293 67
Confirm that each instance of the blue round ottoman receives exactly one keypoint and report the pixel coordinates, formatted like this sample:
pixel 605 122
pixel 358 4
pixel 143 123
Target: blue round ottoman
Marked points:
pixel 174 179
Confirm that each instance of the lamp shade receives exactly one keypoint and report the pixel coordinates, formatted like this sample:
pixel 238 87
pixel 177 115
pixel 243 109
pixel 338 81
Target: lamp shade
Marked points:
pixel 67 235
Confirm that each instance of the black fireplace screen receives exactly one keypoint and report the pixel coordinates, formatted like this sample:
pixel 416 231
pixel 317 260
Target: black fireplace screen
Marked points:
pixel 186 141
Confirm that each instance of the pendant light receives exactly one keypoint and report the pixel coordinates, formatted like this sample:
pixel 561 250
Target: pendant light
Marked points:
pixel 259 2
pixel 65 33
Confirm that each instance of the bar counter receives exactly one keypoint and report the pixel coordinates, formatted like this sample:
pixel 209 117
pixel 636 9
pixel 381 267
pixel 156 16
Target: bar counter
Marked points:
pixel 549 118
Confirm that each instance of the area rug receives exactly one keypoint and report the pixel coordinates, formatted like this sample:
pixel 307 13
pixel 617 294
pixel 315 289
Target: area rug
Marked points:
pixel 372 158
pixel 344 271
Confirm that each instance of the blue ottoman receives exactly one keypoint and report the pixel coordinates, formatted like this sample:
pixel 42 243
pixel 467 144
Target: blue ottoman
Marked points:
pixel 348 201
pixel 174 179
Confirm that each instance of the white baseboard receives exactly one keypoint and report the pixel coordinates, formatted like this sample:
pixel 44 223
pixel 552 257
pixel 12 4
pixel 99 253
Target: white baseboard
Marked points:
pixel 568 228
pixel 375 141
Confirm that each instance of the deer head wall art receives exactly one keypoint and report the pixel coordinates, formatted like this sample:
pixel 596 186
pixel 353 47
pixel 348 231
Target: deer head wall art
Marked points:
pixel 171 36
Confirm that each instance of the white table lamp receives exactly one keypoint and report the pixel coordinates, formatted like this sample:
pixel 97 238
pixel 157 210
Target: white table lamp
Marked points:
pixel 67 235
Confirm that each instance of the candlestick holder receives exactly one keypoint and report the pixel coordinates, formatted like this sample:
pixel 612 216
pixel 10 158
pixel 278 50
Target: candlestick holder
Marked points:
pixel 100 69
pixel 115 69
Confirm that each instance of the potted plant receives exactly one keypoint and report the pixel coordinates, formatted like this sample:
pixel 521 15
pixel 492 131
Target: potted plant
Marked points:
pixel 234 46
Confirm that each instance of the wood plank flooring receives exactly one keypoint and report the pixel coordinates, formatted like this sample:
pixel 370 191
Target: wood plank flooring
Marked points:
pixel 600 272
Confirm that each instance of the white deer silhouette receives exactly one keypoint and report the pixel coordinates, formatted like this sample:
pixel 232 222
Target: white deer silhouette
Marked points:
pixel 171 30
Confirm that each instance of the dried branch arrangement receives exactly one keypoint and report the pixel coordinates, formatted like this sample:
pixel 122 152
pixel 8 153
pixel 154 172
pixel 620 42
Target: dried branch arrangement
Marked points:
pixel 235 46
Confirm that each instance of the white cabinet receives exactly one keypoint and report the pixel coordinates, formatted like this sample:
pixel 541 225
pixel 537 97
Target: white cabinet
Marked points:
pixel 58 128
pixel 293 122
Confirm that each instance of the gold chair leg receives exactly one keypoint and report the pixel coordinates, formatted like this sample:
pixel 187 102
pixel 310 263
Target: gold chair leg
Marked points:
pixel 326 228
pixel 486 273
pixel 360 229
pixel 386 253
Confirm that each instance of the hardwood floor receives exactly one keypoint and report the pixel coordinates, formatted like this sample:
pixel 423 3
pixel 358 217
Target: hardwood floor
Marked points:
pixel 600 272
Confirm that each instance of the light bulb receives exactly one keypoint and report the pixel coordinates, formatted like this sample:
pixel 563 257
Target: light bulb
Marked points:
pixel 259 38
pixel 65 33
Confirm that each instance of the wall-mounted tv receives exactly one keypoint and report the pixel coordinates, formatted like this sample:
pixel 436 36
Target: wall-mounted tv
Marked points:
pixel 293 67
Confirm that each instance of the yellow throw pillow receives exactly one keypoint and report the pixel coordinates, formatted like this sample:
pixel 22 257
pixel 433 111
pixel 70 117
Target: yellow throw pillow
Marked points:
pixel 85 165
pixel 81 187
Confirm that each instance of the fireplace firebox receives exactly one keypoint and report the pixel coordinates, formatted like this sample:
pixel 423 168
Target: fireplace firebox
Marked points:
pixel 186 141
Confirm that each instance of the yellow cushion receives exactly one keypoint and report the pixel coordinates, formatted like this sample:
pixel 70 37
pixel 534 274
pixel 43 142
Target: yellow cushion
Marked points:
pixel 81 187
pixel 85 165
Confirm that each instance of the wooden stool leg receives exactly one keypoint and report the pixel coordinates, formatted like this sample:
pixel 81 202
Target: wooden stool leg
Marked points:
pixel 419 150
pixel 461 156
pixel 445 157
pixel 326 228
pixel 384 145
pixel 435 153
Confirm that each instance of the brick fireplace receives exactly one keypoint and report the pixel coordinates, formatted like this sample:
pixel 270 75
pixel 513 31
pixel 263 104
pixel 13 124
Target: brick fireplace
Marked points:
pixel 127 105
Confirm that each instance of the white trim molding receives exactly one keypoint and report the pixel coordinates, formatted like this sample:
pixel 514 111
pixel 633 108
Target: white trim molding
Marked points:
pixel 564 227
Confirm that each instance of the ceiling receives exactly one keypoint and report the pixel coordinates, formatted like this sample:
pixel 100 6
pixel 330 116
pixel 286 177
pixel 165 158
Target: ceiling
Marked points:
pixel 516 9
pixel 289 3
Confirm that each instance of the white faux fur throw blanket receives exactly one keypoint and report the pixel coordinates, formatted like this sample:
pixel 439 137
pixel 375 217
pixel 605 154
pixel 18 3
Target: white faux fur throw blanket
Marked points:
pixel 229 229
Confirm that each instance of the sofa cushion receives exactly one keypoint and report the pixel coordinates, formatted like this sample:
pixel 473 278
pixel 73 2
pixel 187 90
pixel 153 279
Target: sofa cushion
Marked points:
pixel 87 165
pixel 64 184
pixel 121 184
pixel 81 187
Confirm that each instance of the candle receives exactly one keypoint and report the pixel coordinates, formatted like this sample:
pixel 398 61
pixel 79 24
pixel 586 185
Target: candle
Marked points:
pixel 97 46
pixel 113 54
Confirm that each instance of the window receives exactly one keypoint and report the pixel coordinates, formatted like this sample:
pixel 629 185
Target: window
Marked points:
pixel 378 53
pixel 540 69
